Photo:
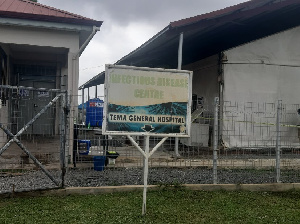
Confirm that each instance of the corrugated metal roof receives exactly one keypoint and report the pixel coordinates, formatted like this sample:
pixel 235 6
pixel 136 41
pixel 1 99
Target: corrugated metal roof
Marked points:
pixel 213 14
pixel 96 80
pixel 212 33
pixel 239 8
pixel 23 9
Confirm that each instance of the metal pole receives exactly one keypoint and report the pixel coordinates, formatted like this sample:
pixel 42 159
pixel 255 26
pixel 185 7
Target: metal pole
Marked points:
pixel 215 143
pixel 278 141
pixel 145 174
pixel 180 51
pixel 63 126
pixel 179 68
pixel 82 110
pixel 176 147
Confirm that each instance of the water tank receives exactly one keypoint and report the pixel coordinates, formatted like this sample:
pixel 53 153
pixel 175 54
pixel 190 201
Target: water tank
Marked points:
pixel 94 113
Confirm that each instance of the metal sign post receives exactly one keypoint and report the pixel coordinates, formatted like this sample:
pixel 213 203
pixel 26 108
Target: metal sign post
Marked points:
pixel 146 154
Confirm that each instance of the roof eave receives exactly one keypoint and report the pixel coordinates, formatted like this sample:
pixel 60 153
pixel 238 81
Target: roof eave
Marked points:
pixel 46 18
pixel 96 80
pixel 189 27
pixel 86 32
pixel 45 25
pixel 150 41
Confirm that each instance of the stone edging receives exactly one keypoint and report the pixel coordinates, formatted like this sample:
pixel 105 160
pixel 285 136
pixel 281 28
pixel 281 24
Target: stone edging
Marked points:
pixel 128 188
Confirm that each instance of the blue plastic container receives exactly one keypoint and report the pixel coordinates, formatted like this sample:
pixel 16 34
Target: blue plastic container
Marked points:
pixel 99 163
pixel 94 113
pixel 84 147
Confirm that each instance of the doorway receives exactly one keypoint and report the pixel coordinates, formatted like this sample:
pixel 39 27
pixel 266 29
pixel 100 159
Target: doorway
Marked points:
pixel 28 103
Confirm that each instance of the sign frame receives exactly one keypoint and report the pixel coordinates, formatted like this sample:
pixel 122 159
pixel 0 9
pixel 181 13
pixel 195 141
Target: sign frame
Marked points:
pixel 154 72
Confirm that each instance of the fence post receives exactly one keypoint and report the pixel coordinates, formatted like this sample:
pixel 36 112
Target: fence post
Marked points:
pixel 278 148
pixel 215 141
pixel 63 125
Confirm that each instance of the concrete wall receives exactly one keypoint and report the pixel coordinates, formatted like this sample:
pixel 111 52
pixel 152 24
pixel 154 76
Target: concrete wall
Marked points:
pixel 264 70
pixel 205 78
pixel 39 37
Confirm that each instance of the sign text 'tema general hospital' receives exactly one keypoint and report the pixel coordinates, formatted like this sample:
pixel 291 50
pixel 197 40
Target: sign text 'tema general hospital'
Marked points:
pixel 149 101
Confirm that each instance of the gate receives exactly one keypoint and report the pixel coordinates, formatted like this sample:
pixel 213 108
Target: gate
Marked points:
pixel 32 137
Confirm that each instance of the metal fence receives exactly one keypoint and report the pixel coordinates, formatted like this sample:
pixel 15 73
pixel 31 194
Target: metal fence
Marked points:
pixel 231 142
pixel 32 138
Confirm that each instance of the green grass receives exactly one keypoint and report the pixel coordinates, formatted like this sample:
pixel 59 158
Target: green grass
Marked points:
pixel 164 206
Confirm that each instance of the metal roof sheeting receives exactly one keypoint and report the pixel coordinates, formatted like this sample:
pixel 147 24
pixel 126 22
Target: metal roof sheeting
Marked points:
pixel 23 9
pixel 211 33
pixel 239 8
pixel 96 80
pixel 210 15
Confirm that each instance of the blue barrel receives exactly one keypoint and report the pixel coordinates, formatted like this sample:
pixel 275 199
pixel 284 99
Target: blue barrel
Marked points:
pixel 94 113
pixel 99 163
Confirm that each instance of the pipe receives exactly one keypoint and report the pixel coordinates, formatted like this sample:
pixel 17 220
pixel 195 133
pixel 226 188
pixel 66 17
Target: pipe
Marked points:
pixel 95 29
pixel 180 51
pixel 83 107
pixel 74 84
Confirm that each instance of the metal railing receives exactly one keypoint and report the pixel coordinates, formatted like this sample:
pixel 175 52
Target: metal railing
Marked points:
pixel 237 142
pixel 32 137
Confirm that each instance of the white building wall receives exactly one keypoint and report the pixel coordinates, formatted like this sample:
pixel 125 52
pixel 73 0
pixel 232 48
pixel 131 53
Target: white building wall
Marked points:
pixel 259 74
pixel 205 78
pixel 39 37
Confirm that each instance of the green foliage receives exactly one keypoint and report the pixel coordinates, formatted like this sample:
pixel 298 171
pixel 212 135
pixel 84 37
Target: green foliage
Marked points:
pixel 33 0
pixel 163 206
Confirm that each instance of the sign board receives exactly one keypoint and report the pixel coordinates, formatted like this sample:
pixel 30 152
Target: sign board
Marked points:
pixel 147 101
pixel 41 94
pixel 23 93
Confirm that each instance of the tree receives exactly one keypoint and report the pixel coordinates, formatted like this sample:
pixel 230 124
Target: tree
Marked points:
pixel 33 0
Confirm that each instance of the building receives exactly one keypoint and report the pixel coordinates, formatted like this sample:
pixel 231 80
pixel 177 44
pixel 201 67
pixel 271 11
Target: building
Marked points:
pixel 244 53
pixel 40 47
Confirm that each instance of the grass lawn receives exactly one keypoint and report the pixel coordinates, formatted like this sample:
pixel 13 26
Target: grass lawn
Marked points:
pixel 163 206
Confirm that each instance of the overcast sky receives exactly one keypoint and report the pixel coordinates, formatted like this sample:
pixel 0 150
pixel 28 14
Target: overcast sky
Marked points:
pixel 127 24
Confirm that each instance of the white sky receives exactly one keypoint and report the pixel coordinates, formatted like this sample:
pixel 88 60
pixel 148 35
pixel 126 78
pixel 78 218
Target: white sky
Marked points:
pixel 126 25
